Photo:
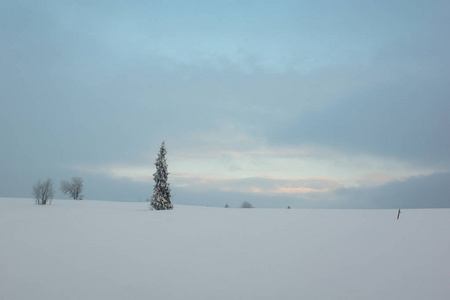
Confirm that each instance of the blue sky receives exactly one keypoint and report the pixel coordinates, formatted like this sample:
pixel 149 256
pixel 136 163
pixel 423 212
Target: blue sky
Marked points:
pixel 325 104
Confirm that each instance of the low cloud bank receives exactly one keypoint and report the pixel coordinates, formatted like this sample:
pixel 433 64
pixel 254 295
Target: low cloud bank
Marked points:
pixel 431 191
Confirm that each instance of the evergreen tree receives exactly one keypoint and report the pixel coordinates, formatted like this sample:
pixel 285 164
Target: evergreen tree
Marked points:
pixel 161 191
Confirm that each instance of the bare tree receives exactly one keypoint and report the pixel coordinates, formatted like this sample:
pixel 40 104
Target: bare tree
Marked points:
pixel 246 204
pixel 74 188
pixel 43 192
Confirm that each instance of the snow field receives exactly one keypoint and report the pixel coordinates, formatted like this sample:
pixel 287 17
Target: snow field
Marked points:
pixel 116 250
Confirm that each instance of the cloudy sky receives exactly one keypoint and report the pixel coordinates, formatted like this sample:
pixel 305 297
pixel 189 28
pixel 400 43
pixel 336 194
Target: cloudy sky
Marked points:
pixel 300 103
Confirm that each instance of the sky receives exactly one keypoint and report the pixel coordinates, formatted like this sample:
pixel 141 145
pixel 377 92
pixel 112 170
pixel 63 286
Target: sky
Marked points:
pixel 324 104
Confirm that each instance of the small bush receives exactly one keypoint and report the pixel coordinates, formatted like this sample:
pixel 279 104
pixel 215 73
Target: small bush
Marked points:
pixel 246 204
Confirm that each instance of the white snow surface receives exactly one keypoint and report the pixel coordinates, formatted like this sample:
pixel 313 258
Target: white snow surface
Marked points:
pixel 117 250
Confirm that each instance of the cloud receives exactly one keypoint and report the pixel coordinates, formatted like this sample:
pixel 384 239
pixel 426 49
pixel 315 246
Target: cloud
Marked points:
pixel 261 186
pixel 400 111
pixel 233 162
pixel 430 191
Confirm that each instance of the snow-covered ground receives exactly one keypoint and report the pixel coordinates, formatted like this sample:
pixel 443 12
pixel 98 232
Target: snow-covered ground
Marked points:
pixel 114 250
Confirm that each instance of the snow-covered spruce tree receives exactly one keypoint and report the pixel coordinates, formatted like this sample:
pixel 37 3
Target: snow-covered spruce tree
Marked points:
pixel 161 191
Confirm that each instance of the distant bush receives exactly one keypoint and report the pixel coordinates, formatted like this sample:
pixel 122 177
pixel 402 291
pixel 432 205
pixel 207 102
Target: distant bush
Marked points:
pixel 246 204
pixel 43 192
pixel 74 188
pixel 226 206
